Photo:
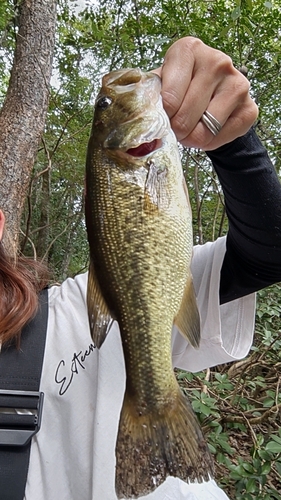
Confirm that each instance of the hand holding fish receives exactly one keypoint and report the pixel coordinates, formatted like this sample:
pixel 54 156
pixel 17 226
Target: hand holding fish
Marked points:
pixel 196 78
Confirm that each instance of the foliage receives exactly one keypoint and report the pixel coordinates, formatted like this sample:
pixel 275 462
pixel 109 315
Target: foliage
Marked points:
pixel 107 35
pixel 239 407
pixel 7 40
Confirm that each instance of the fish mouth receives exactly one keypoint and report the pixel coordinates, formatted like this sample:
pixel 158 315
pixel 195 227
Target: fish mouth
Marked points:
pixel 145 148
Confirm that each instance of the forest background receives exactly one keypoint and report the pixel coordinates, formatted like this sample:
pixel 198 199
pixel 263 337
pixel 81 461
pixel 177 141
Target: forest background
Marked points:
pixel 238 405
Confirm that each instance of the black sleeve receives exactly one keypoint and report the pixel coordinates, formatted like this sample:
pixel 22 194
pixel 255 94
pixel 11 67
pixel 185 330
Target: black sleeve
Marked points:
pixel 252 194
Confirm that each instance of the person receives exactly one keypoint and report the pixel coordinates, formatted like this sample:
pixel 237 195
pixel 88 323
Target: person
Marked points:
pixel 73 454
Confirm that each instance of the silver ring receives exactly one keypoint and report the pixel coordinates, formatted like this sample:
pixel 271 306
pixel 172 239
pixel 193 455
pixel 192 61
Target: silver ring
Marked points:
pixel 211 123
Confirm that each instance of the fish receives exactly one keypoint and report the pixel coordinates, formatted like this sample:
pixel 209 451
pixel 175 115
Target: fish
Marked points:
pixel 139 227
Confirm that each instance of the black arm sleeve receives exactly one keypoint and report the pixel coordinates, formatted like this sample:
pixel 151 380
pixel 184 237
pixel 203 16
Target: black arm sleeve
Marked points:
pixel 252 194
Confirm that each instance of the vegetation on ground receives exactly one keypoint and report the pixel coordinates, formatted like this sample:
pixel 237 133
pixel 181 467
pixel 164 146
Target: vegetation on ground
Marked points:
pixel 239 407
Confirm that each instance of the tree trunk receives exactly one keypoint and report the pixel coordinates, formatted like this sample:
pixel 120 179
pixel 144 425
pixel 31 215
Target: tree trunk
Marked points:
pixel 23 114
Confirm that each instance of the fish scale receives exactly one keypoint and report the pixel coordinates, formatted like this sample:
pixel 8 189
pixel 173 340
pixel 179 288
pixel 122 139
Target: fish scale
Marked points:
pixel 140 234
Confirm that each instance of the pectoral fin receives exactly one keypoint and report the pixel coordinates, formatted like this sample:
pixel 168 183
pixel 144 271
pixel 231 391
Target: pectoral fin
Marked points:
pixel 187 319
pixel 156 194
pixel 100 318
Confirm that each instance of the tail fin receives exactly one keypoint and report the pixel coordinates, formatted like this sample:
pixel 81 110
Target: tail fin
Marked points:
pixel 153 446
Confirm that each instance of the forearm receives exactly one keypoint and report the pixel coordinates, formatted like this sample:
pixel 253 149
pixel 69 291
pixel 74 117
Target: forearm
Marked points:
pixel 253 203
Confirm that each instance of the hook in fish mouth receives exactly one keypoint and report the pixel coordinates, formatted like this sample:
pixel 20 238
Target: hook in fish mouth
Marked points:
pixel 145 148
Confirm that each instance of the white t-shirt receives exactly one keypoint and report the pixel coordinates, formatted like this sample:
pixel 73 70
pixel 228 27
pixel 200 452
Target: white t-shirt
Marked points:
pixel 73 454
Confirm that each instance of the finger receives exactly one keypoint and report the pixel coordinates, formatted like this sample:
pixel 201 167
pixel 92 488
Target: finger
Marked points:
pixel 176 75
pixel 195 102
pixel 194 85
pixel 196 78
pixel 233 107
pixel 157 71
pixel 236 125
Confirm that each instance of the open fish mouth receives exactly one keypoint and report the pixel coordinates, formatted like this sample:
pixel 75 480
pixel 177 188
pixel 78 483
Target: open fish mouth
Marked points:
pixel 136 132
pixel 145 149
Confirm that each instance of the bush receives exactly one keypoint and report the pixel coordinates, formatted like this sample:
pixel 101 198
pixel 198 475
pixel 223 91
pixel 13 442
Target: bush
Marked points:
pixel 239 408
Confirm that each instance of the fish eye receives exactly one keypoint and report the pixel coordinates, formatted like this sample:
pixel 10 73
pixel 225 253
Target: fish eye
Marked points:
pixel 103 102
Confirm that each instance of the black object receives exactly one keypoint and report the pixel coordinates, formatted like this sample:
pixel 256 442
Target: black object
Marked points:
pixel 252 194
pixel 20 374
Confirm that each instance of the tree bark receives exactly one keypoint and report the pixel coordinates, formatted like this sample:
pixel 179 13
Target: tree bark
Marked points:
pixel 23 114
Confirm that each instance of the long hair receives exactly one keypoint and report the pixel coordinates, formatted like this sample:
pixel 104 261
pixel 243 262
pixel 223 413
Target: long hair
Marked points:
pixel 20 282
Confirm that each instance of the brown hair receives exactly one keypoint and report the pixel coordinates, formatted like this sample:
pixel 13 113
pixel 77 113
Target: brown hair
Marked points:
pixel 20 282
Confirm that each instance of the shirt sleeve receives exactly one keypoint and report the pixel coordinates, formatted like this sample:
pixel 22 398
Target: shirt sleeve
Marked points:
pixel 252 194
pixel 226 330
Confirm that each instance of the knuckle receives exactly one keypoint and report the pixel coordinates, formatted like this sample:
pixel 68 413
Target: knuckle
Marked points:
pixel 240 92
pixel 243 85
pixel 198 139
pixel 192 42
pixel 193 49
pixel 240 83
pixel 186 49
pixel 250 114
pixel 223 64
pixel 244 118
pixel 255 111
pixel 189 43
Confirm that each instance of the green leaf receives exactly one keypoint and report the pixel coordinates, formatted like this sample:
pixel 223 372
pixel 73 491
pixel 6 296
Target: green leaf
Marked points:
pixel 251 485
pixel 235 475
pixel 265 455
pixel 268 402
pixel 278 467
pixel 247 30
pixel 225 30
pixel 225 446
pixel 248 467
pixel 277 439
pixel 239 472
pixel 212 448
pixel 274 494
pixel 235 14
pixel 266 468
pixel 273 447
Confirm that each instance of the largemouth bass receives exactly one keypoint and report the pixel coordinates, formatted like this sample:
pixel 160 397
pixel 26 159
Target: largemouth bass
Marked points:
pixel 140 234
